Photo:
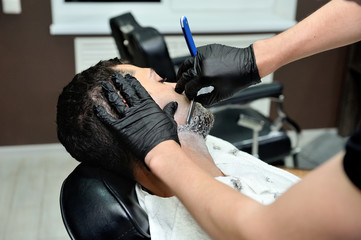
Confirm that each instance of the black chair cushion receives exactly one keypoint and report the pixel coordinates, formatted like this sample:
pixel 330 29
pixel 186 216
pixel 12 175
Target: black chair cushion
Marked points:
pixel 142 46
pixel 97 204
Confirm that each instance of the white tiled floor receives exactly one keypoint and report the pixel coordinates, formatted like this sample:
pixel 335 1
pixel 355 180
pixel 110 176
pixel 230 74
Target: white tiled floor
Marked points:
pixel 29 192
pixel 30 181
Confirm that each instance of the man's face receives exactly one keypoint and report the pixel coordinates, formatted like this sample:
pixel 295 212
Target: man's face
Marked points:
pixel 162 92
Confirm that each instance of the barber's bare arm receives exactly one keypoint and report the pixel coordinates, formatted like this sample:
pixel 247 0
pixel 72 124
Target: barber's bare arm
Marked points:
pixel 324 205
pixel 230 69
pixel 334 25
pixel 219 209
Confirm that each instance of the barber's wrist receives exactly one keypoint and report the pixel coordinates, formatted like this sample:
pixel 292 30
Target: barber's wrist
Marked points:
pixel 266 61
pixel 164 150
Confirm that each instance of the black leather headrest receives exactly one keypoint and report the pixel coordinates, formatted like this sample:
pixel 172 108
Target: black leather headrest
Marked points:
pixel 142 46
pixel 97 204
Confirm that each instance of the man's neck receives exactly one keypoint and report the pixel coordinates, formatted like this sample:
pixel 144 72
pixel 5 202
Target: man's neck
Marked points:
pixel 194 145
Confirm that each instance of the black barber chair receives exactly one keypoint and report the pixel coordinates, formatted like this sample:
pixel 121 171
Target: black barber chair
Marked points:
pixel 253 132
pixel 143 46
pixel 97 204
pixel 237 123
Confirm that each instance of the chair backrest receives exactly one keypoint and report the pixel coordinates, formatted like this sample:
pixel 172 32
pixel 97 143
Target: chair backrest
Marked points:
pixel 97 204
pixel 142 46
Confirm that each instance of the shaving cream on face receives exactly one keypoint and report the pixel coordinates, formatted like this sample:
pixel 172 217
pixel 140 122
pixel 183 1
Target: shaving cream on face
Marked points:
pixel 201 121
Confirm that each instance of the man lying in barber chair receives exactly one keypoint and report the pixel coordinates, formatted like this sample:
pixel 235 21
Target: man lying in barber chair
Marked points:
pixel 89 141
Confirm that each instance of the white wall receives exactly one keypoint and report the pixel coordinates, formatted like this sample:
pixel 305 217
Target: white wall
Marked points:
pixel 205 16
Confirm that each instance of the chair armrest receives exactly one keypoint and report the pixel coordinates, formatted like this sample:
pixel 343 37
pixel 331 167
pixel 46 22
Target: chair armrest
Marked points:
pixel 266 90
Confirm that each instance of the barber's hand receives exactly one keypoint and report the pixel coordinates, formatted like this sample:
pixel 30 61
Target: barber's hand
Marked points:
pixel 227 69
pixel 142 124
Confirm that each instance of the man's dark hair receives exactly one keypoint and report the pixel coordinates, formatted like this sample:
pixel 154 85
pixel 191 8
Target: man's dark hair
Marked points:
pixel 83 135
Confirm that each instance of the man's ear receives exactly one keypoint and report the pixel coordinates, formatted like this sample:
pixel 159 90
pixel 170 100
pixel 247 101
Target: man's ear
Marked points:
pixel 141 174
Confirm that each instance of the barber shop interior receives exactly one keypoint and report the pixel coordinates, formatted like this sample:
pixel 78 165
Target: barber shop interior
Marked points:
pixel 66 167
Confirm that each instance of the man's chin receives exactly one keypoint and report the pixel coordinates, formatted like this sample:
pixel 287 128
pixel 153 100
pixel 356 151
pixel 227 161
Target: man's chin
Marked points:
pixel 201 121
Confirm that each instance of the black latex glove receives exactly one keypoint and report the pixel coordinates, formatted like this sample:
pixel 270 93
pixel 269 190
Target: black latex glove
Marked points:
pixel 227 69
pixel 142 124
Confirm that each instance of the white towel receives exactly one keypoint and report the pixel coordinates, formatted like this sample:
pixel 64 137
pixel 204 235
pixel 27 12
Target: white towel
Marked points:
pixel 169 219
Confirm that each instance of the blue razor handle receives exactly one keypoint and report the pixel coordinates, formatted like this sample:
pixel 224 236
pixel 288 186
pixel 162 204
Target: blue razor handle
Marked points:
pixel 188 36
pixel 193 51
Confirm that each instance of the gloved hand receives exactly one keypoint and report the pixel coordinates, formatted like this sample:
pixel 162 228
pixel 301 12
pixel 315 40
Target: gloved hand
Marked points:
pixel 142 124
pixel 227 69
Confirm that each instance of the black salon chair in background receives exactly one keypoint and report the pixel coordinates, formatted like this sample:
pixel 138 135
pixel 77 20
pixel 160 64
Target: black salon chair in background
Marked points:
pixel 236 122
pixel 143 46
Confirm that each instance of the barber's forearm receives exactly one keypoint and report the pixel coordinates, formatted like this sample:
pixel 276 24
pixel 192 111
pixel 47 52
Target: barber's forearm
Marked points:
pixel 210 202
pixel 334 25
